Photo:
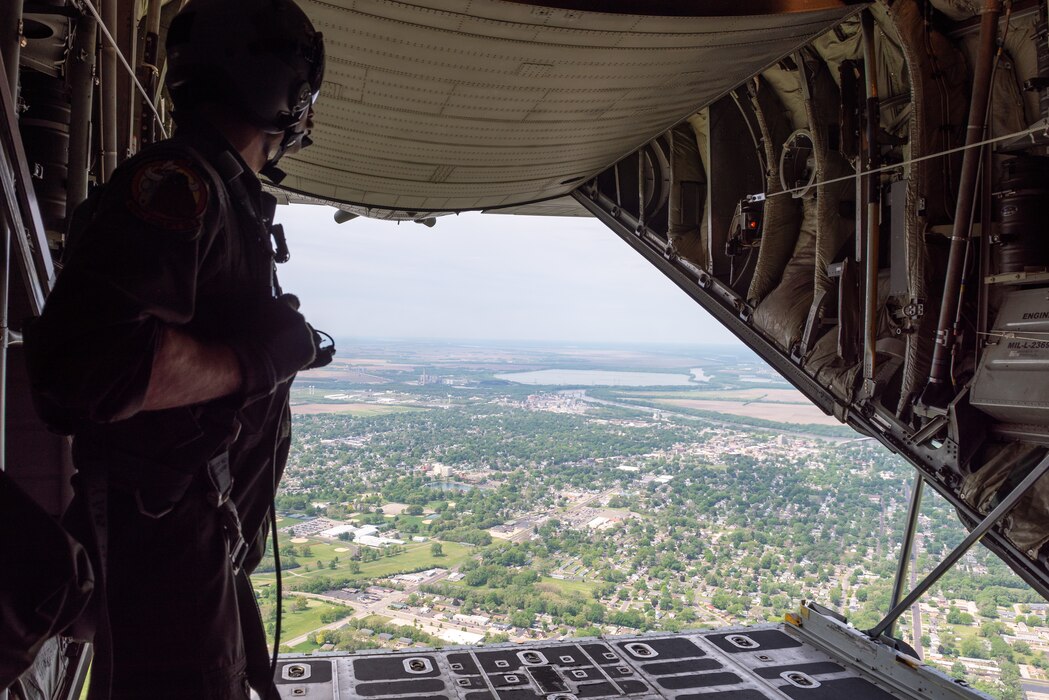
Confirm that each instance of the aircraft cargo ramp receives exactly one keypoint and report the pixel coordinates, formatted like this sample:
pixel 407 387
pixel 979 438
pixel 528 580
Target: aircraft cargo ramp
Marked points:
pixel 812 656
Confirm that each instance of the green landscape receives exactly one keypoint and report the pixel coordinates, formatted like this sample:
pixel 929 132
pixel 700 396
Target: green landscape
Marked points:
pixel 470 509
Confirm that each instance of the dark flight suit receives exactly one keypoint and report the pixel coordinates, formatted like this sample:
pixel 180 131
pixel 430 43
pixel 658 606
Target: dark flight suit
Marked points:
pixel 178 237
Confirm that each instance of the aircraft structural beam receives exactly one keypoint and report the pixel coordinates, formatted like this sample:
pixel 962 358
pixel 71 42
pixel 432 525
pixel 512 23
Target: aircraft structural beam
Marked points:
pixel 19 207
pixel 975 536
pixel 907 547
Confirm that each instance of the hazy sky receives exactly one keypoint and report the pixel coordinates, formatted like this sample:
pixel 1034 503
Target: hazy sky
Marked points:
pixel 484 277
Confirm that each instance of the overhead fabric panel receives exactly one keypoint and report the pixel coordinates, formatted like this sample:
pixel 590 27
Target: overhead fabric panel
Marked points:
pixel 449 105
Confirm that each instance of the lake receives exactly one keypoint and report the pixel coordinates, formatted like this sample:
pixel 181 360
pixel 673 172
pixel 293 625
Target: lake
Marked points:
pixel 594 377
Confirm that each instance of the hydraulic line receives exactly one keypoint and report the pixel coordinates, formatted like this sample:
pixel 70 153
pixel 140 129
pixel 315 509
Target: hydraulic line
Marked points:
pixel 109 124
pixel 150 74
pixel 108 87
pixel 81 80
pixel 963 212
pixel 873 200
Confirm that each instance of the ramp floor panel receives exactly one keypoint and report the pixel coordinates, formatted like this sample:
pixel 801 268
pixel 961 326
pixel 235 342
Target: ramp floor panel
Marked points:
pixel 757 663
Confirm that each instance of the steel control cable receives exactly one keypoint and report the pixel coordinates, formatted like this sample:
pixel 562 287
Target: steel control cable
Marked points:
pixel 1041 128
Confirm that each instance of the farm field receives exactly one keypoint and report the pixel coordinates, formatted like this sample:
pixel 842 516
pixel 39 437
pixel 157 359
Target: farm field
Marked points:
pixel 791 396
pixel 779 412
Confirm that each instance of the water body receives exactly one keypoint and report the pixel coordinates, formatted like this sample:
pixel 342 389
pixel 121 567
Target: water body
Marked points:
pixel 452 486
pixel 594 377
pixel 698 375
pixel 750 379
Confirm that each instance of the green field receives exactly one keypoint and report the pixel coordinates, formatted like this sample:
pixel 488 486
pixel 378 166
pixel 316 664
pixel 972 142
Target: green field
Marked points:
pixel 416 557
pixel 295 623
pixel 304 648
pixel 584 587
pixel 550 586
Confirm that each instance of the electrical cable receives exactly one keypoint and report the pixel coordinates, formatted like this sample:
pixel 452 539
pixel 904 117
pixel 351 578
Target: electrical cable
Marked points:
pixel 278 579
pixel 131 71
pixel 280 593
pixel 1008 335
pixel 746 264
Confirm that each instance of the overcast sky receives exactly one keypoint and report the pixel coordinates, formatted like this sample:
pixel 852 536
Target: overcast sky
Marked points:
pixel 484 277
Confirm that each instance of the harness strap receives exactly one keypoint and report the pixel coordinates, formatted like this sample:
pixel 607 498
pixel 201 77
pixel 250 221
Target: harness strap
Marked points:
pixel 220 484
pixel 260 675
pixel 252 630
pixel 95 487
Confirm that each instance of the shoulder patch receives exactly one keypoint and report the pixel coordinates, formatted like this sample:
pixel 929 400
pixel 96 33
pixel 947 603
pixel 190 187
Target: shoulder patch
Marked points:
pixel 169 194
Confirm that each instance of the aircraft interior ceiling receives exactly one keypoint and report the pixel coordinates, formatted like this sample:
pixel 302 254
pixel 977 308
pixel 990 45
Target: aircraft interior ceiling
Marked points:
pixel 856 190
pixel 444 106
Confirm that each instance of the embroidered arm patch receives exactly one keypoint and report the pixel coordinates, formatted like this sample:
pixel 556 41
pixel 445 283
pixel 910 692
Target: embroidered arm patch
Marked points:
pixel 169 195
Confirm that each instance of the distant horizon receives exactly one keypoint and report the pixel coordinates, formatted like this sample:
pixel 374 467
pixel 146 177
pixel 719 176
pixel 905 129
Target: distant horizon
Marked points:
pixel 408 340
pixel 495 277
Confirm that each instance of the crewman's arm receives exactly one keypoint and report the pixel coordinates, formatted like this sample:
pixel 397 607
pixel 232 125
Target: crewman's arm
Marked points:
pixel 113 339
pixel 270 349
pixel 186 371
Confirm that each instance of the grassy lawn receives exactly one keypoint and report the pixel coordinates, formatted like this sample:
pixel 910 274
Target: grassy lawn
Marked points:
pixel 964 631
pixel 304 648
pixel 550 586
pixel 584 587
pixel 415 557
pixel 294 623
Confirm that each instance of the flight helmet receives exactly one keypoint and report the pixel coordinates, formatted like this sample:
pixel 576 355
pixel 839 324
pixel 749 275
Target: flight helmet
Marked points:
pixel 262 58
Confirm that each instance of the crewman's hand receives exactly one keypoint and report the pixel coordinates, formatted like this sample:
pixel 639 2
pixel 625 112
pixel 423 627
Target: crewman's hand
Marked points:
pixel 323 345
pixel 275 345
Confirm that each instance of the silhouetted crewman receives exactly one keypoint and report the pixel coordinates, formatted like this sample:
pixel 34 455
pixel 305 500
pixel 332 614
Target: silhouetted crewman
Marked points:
pixel 167 349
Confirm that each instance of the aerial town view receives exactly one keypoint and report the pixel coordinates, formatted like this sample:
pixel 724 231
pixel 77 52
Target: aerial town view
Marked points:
pixel 463 494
